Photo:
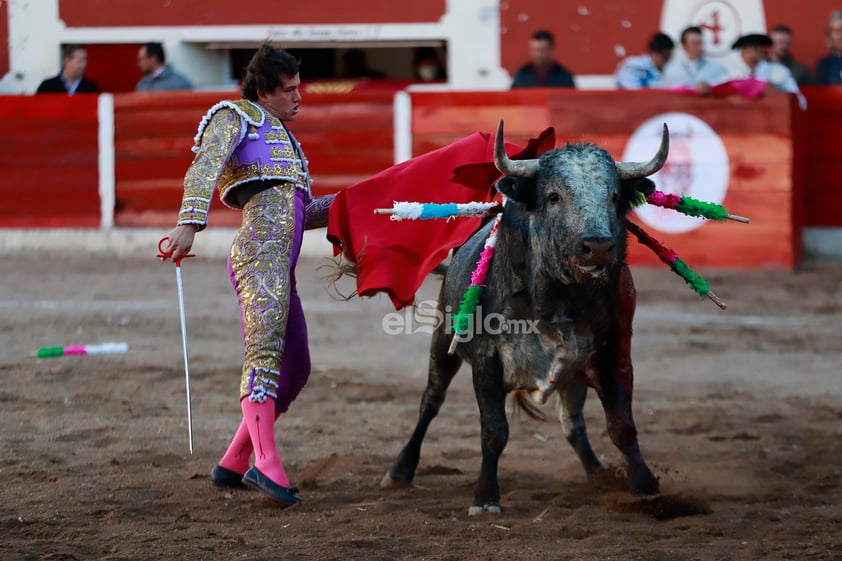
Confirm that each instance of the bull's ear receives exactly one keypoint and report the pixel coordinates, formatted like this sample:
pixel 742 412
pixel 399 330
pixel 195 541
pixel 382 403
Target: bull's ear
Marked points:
pixel 518 189
pixel 632 189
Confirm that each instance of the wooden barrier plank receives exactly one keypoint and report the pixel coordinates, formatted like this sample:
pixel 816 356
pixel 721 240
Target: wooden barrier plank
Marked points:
pixel 52 158
pixel 756 135
pixel 822 154
pixel 757 138
pixel 346 137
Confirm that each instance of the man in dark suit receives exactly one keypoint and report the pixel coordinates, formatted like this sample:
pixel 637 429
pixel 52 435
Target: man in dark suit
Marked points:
pixel 74 58
pixel 542 71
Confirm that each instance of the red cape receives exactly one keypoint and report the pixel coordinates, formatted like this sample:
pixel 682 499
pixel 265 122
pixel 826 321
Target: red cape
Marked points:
pixel 395 257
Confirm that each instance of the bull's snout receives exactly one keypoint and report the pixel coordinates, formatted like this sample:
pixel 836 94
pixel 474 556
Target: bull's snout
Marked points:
pixel 596 251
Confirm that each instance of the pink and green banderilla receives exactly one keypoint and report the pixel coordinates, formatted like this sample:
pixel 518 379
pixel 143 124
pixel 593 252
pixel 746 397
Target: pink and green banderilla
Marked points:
pixel 470 300
pixel 679 267
pixel 692 207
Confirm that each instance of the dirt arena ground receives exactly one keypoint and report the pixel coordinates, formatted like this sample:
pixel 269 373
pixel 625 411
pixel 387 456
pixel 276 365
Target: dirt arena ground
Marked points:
pixel 739 414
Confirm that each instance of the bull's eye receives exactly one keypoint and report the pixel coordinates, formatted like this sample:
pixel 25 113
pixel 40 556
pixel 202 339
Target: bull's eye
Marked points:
pixel 553 197
pixel 614 198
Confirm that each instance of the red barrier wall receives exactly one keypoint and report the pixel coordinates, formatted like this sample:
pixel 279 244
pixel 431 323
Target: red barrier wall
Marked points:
pixel 822 157
pixel 48 158
pixel 49 153
pixel 346 137
pixel 764 182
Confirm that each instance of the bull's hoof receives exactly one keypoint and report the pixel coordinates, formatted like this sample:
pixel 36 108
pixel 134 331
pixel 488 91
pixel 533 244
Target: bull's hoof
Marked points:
pixel 390 482
pixel 644 484
pixel 475 510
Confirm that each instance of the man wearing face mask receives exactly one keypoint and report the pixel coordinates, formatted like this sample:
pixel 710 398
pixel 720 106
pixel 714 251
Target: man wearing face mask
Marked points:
pixel 245 151
pixel 428 68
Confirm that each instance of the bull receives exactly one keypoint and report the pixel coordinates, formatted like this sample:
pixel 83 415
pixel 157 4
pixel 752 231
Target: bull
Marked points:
pixel 560 267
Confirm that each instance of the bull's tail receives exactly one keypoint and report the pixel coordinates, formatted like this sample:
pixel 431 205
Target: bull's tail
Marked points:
pixel 337 269
pixel 522 400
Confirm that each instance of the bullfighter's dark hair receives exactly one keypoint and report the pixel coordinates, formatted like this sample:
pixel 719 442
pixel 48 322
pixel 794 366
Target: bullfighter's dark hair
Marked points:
pixel 660 42
pixel 266 70
pixel 544 35
pixel 692 29
pixel 155 50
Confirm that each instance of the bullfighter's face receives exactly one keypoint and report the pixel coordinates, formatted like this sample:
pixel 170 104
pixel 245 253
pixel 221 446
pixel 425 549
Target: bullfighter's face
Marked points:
pixel 282 102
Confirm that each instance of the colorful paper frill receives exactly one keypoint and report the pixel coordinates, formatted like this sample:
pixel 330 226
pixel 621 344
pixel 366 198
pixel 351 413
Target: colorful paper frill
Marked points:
pixel 689 206
pixel 468 306
pixel 679 267
pixel 430 211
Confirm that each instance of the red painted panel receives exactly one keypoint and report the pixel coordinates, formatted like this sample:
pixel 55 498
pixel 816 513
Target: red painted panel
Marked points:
pixel 346 137
pixel 756 135
pixel 808 24
pixel 4 38
pixel 586 33
pixel 50 162
pixel 113 67
pixel 104 13
pixel 823 152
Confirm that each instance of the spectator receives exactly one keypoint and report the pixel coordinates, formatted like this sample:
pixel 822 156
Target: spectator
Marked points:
pixel 646 71
pixel 542 70
pixel 754 63
pixel 158 76
pixel 782 52
pixel 71 80
pixel 428 66
pixel 694 70
pixel 355 65
pixel 829 68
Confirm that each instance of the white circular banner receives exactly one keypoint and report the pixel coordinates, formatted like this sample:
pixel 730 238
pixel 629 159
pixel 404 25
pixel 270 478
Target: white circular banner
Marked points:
pixel 697 167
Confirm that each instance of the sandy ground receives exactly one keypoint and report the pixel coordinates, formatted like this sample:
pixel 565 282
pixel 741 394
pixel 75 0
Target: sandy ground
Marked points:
pixel 739 414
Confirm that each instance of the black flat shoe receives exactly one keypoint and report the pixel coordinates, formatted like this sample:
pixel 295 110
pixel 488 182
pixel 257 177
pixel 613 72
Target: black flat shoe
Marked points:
pixel 284 495
pixel 227 479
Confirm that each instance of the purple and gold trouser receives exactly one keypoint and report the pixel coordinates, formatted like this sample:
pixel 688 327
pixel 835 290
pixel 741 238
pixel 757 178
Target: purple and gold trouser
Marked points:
pixel 262 268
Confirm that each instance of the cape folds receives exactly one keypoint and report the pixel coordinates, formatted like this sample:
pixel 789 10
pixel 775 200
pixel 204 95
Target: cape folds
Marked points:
pixel 395 256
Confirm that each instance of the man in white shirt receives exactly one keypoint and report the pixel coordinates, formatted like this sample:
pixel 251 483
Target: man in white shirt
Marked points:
pixel 754 63
pixel 694 70
pixel 645 71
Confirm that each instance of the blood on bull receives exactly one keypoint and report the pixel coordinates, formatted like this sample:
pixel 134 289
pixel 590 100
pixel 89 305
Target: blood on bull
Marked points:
pixel 560 265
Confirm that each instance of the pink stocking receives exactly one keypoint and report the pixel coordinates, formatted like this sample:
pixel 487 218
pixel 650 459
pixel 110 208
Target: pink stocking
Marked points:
pixel 236 458
pixel 260 420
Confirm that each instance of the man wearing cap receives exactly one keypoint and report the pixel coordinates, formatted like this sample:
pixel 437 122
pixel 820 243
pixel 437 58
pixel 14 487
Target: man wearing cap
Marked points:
pixel 754 63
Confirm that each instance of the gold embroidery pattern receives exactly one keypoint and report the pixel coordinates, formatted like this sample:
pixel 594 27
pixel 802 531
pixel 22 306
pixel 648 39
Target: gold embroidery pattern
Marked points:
pixel 260 258
pixel 248 107
pixel 219 140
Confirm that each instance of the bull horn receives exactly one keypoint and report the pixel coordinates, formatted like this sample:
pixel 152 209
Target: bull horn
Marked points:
pixel 506 166
pixel 635 170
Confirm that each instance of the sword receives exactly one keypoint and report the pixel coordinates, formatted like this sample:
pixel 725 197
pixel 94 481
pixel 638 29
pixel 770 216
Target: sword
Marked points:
pixel 163 255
